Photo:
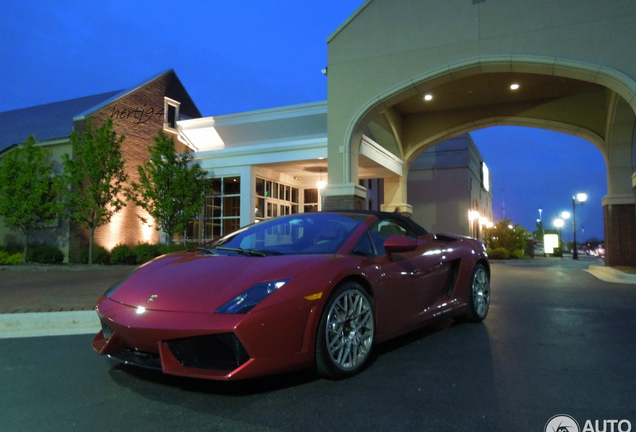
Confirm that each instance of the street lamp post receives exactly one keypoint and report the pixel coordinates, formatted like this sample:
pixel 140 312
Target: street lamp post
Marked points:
pixel 558 223
pixel 580 197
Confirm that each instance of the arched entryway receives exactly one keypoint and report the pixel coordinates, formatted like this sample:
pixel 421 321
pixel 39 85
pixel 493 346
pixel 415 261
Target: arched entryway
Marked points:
pixel 590 99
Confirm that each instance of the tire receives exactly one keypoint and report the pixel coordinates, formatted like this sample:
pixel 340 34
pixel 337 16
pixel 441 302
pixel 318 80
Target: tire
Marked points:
pixel 345 332
pixel 478 295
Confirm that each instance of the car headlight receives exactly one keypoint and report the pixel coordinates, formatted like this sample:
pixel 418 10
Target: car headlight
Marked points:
pixel 245 301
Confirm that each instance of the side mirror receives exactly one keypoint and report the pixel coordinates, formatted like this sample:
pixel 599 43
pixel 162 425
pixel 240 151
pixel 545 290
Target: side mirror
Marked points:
pixel 398 244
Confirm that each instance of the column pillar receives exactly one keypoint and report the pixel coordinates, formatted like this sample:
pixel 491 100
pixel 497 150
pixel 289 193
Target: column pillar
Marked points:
pixel 395 196
pixel 619 206
pixel 344 196
pixel 619 215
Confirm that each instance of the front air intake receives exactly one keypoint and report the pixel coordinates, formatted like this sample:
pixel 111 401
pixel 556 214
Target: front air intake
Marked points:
pixel 216 352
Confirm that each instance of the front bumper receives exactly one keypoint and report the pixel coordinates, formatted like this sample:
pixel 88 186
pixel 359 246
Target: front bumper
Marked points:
pixel 208 345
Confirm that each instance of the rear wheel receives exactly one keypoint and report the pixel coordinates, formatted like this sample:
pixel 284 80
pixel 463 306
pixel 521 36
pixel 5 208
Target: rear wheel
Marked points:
pixel 479 295
pixel 345 332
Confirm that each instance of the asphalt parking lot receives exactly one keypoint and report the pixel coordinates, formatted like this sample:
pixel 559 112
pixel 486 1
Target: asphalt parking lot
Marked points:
pixel 558 340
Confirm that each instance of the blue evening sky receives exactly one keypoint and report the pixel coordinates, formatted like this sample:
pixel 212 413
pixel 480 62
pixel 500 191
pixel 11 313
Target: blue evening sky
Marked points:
pixel 247 55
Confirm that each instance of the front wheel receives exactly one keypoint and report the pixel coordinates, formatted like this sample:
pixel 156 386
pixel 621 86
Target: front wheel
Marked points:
pixel 345 332
pixel 479 295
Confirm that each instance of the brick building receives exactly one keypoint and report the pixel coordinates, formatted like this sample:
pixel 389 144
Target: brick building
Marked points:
pixel 138 113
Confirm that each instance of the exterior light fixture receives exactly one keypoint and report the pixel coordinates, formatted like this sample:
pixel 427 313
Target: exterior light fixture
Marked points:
pixel 514 86
pixel 565 215
pixel 483 221
pixel 321 183
pixel 428 97
pixel 472 215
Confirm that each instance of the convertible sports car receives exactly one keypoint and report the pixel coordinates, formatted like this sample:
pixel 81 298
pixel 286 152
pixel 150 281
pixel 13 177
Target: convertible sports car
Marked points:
pixel 307 290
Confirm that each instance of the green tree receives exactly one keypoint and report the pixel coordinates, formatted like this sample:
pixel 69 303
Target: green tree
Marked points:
pixel 30 192
pixel 538 233
pixel 505 234
pixel 95 176
pixel 171 188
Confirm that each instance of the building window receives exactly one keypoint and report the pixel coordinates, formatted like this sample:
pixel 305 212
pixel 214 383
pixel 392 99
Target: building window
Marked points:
pixel 311 200
pixel 275 199
pixel 221 212
pixel 171 114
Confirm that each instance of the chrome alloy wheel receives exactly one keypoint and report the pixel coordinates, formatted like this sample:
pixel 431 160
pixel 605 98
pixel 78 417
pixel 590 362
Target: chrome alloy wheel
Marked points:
pixel 349 329
pixel 481 292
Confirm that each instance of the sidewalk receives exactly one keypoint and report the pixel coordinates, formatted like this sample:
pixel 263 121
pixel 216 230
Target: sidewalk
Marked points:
pixel 40 300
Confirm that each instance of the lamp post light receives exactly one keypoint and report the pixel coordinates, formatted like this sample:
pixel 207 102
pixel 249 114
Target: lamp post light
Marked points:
pixel 580 198
pixel 558 223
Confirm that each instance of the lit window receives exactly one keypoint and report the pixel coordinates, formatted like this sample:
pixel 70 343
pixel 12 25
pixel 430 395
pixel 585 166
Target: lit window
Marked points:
pixel 275 199
pixel 221 213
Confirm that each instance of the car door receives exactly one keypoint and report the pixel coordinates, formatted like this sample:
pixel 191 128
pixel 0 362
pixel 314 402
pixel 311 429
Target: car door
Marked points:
pixel 407 283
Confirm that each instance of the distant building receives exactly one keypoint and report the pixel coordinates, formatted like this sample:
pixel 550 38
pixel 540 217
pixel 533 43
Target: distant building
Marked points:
pixel 450 189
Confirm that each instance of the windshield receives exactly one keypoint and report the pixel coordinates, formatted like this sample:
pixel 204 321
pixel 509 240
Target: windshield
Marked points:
pixel 306 233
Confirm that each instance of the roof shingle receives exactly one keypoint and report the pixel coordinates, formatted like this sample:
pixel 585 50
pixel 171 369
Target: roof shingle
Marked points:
pixel 45 122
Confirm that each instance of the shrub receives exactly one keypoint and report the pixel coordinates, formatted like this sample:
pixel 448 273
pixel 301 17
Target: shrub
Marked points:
pixel 517 253
pixel 169 248
pixel 498 253
pixel 10 258
pixel 45 254
pixel 12 248
pixel 100 256
pixel 145 252
pixel 122 254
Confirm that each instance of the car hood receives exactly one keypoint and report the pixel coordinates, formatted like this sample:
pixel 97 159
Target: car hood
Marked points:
pixel 188 282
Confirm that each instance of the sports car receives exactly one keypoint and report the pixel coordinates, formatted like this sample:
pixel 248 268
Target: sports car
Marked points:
pixel 313 290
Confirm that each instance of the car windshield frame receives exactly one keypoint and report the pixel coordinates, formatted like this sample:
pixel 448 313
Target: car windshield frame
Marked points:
pixel 320 233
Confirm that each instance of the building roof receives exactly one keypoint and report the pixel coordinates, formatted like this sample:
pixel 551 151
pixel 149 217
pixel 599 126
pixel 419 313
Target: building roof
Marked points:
pixel 55 120
pixel 45 122
pixel 274 125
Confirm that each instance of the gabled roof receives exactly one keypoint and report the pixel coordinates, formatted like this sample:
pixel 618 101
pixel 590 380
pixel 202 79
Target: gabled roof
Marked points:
pixel 80 115
pixel 55 120
pixel 45 122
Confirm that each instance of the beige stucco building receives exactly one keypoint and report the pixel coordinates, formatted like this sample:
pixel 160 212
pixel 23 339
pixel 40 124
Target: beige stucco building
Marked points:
pixel 427 71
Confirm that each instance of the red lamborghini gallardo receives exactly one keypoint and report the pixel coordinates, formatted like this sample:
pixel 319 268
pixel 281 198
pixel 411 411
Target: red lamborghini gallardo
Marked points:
pixel 312 290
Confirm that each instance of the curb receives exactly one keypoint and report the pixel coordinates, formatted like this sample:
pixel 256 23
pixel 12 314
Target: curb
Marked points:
pixel 608 274
pixel 32 324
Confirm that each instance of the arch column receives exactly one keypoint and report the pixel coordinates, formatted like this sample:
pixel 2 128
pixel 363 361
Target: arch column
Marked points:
pixel 343 191
pixel 395 193
pixel 619 206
